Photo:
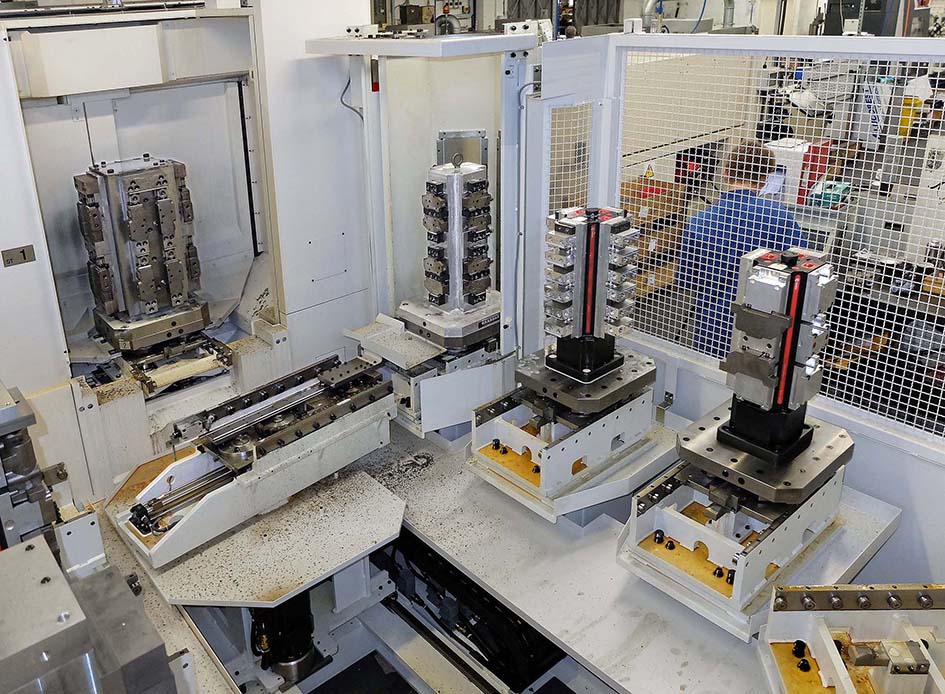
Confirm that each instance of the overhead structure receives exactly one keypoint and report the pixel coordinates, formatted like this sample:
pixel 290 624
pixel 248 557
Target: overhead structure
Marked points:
pixel 758 481
pixel 575 425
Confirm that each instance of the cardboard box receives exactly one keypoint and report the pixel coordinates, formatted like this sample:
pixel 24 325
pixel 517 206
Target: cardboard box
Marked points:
pixel 803 163
pixel 658 209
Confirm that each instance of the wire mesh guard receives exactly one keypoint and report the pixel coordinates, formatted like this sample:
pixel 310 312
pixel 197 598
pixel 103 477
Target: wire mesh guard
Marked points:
pixel 724 153
pixel 570 156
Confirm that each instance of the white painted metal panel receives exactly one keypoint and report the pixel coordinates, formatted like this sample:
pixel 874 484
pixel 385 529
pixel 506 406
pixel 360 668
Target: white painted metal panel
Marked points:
pixel 322 242
pixel 33 348
pixel 318 330
pixel 207 46
pixel 451 398
pixel 74 61
pixel 433 47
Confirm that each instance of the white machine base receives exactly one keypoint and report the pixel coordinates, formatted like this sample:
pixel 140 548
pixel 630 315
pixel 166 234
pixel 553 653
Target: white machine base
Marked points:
pixel 262 488
pixel 651 454
pixel 742 613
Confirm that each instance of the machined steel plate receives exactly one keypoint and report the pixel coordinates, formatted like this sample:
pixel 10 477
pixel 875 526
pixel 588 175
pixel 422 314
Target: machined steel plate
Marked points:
pixel 632 377
pixel 899 596
pixel 349 370
pixel 452 329
pixel 149 331
pixel 789 483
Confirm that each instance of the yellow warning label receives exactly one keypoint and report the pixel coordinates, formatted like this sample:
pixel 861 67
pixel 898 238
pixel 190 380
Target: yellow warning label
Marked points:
pixel 649 171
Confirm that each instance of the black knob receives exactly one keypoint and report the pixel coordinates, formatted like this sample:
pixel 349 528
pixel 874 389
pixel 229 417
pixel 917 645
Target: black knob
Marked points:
pixel 659 536
pixel 789 258
pixel 803 665
pixel 670 545
pixel 800 649
pixel 719 572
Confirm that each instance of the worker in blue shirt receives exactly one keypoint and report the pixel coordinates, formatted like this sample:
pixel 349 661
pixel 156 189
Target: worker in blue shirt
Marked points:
pixel 717 238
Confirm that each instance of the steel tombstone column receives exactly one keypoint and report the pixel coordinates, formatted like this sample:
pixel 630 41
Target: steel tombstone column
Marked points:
pixel 774 366
pixel 581 409
pixel 460 311
pixel 136 219
pixel 589 289
pixel 457 218
pixel 758 481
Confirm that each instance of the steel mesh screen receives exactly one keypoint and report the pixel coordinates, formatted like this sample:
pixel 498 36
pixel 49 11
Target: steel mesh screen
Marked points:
pixel 724 153
pixel 569 158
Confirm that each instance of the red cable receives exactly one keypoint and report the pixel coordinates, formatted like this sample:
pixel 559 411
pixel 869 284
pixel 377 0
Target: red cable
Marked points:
pixel 786 361
pixel 590 279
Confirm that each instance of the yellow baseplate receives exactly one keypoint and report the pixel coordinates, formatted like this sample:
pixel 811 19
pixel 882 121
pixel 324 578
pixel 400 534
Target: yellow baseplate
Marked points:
pixel 517 463
pixel 695 562
pixel 797 682
pixel 521 464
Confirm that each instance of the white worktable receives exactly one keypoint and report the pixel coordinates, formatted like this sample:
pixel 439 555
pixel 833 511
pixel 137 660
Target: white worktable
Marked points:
pixel 564 580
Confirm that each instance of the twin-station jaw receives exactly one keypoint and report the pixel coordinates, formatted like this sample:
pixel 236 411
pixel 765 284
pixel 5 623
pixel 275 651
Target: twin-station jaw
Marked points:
pixel 575 432
pixel 758 480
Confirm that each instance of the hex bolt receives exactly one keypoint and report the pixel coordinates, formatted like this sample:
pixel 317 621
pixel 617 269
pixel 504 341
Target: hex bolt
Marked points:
pixel 835 602
pixel 864 602
pixel 925 601
pixel 659 536
pixel 894 601
pixel 800 649
pixel 807 602
pixel 803 665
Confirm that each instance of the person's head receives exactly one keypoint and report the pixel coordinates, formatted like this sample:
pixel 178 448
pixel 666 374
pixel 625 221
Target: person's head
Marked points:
pixel 747 165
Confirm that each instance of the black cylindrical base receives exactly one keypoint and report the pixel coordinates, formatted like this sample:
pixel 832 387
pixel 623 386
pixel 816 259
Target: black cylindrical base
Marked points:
pixel 585 359
pixel 777 437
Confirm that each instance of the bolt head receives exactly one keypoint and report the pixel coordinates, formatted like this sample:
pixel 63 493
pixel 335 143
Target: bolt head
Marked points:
pixel 925 601
pixel 894 601
pixel 779 603
pixel 863 602
pixel 807 602
pixel 835 602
